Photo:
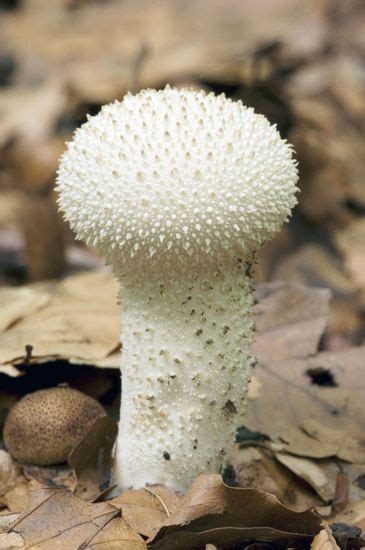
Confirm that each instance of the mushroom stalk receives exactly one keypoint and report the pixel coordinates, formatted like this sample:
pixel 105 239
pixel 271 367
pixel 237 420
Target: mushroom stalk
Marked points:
pixel 192 334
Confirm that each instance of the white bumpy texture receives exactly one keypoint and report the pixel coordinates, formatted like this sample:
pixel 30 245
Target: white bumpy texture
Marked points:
pixel 179 189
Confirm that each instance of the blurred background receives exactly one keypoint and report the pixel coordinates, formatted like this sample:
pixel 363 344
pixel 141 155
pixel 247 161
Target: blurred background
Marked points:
pixel 299 62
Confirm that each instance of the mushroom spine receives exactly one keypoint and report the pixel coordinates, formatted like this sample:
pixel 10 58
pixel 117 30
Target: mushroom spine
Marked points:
pixel 179 189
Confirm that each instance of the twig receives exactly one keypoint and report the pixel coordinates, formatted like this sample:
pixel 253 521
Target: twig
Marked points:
pixel 160 499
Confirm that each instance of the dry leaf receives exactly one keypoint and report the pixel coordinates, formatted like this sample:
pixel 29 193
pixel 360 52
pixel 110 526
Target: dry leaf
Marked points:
pixel 19 105
pixel 7 520
pixel 290 320
pixel 116 535
pixel 311 473
pixel 60 475
pixel 257 468
pixel 324 540
pixel 289 398
pixel 354 514
pixel 316 440
pixel 145 509
pixel 91 459
pixel 80 322
pixel 350 242
pixel 9 473
pixel 62 520
pixel 17 303
pixel 14 490
pixel 9 541
pixel 212 512
pixel 180 46
pixel 313 266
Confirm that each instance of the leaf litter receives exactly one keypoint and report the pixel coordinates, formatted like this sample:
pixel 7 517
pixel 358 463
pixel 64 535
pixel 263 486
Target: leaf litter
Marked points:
pixel 301 447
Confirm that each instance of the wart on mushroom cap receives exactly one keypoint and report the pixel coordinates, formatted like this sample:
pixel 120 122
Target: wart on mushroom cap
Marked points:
pixel 179 189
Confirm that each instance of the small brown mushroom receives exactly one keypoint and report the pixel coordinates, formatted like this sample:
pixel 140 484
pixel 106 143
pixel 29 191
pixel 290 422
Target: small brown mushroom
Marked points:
pixel 44 426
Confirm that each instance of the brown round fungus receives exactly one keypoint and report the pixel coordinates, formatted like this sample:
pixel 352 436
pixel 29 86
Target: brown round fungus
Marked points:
pixel 44 426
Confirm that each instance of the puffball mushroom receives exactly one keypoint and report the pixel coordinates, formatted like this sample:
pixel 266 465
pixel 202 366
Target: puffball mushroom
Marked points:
pixel 44 426
pixel 179 189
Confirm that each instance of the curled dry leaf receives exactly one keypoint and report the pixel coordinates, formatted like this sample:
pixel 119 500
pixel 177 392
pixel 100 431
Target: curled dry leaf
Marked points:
pixel 91 458
pixel 212 512
pixel 257 468
pixel 147 508
pixel 311 472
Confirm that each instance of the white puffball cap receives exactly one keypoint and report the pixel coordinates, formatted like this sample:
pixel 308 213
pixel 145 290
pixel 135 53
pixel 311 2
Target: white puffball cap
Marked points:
pixel 172 174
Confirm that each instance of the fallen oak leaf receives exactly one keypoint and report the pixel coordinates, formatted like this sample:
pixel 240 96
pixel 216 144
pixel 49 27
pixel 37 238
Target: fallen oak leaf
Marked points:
pixel 62 519
pixel 116 535
pixel 212 512
pixel 340 407
pixel 147 508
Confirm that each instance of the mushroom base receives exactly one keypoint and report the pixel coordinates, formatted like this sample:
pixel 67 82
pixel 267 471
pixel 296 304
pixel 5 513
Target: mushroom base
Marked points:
pixel 186 364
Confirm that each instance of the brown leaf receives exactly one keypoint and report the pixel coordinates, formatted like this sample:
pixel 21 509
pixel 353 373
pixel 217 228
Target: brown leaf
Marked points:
pixel 60 475
pixel 62 519
pixel 290 402
pixel 91 459
pixel 116 535
pixel 79 323
pixel 180 45
pixel 212 512
pixel 147 508
pixel 350 242
pixel 290 320
pixel 319 441
pixel 257 468
pixel 313 266
pixel 311 472
pixel 17 121
pixel 16 303
pixel 324 540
